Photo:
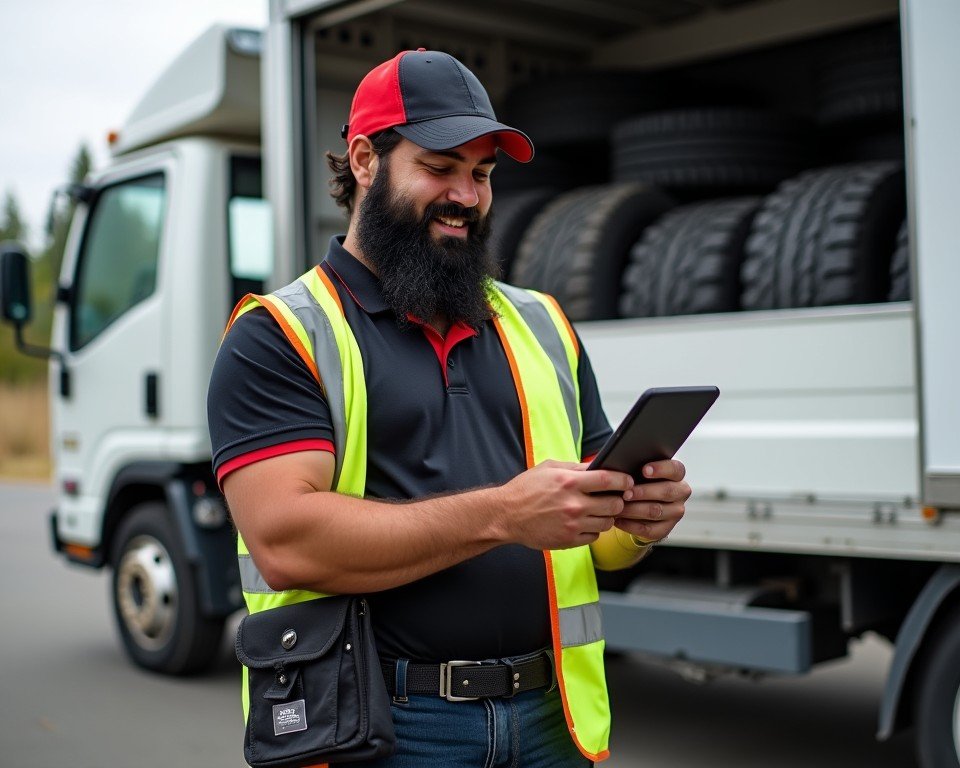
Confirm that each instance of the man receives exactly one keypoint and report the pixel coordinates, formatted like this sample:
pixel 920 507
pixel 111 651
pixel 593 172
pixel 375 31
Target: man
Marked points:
pixel 394 424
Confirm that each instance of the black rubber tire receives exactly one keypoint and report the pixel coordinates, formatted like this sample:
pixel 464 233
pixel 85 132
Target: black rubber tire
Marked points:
pixel 710 151
pixel 576 109
pixel 688 262
pixel 900 267
pixel 825 238
pixel 192 640
pixel 577 247
pixel 862 83
pixel 937 697
pixel 512 214
pixel 545 170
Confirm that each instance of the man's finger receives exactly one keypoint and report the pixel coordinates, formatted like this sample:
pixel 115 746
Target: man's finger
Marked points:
pixel 668 469
pixel 651 511
pixel 667 490
pixel 597 480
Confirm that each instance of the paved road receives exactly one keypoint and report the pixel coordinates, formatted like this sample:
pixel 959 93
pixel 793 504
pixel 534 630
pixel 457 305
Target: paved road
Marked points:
pixel 69 698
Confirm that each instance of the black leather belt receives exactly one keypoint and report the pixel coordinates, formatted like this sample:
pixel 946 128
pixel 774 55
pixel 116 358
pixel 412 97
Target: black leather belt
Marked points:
pixel 469 680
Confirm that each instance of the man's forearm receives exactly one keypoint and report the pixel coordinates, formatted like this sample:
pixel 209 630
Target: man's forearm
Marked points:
pixel 328 542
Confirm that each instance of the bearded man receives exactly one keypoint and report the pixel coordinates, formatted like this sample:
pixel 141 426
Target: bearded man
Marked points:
pixel 396 424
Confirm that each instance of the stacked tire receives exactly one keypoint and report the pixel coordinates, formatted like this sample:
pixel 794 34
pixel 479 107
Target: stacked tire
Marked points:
pixel 826 237
pixel 710 152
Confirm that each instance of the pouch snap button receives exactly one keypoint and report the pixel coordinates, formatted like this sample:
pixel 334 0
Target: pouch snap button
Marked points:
pixel 288 639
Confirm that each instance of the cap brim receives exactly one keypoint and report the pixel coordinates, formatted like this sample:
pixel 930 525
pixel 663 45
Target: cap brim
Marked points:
pixel 444 133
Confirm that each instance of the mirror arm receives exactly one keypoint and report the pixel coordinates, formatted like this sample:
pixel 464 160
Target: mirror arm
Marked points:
pixel 33 350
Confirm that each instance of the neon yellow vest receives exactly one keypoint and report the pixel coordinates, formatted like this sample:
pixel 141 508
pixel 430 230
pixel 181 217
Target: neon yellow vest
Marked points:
pixel 543 356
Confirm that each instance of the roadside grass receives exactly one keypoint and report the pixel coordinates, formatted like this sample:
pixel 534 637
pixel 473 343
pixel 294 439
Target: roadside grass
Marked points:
pixel 24 431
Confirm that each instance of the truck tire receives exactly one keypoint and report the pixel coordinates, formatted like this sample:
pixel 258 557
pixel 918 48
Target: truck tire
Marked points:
pixel 937 703
pixel 512 213
pixel 900 267
pixel 862 84
pixel 825 238
pixel 688 262
pixel 155 599
pixel 577 247
pixel 577 109
pixel 710 151
pixel 541 172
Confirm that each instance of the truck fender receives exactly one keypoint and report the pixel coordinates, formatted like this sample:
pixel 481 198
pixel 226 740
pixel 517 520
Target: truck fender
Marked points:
pixel 909 642
pixel 211 552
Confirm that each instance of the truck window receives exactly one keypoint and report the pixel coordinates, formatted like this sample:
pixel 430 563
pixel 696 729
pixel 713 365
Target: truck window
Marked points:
pixel 250 228
pixel 117 268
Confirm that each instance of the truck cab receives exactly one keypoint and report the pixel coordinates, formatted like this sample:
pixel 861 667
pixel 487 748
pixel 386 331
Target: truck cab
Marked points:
pixel 164 241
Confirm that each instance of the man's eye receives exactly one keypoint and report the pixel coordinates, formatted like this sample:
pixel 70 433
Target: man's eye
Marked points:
pixel 481 176
pixel 438 169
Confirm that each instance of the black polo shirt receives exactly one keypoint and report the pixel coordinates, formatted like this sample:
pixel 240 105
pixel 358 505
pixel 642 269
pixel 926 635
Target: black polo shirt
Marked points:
pixel 443 415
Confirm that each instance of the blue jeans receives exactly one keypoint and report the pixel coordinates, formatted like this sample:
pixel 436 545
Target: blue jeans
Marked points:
pixel 526 731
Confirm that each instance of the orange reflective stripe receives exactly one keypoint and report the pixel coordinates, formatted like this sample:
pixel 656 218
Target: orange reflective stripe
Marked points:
pixel 566 323
pixel 515 371
pixel 291 337
pixel 236 313
pixel 330 287
pixel 267 304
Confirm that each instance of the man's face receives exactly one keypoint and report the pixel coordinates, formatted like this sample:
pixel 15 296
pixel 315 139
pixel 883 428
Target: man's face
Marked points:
pixel 423 225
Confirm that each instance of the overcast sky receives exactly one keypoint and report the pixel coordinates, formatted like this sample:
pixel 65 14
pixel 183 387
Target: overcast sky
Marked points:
pixel 72 70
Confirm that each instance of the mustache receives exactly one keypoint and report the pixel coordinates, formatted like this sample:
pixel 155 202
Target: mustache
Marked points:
pixel 451 211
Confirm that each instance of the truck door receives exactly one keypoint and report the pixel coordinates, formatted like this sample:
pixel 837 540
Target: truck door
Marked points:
pixel 112 409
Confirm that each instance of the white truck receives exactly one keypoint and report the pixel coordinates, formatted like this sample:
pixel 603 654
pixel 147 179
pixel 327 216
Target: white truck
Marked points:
pixel 827 477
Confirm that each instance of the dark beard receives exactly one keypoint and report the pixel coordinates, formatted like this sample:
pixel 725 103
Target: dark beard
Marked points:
pixel 419 274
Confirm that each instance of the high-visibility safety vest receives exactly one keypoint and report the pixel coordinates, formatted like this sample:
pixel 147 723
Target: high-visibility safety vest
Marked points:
pixel 543 354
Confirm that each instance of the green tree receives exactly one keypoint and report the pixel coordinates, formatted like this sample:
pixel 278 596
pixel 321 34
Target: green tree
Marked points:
pixel 59 217
pixel 15 367
pixel 12 226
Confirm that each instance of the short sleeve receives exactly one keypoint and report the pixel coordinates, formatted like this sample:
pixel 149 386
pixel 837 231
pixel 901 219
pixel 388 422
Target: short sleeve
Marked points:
pixel 262 400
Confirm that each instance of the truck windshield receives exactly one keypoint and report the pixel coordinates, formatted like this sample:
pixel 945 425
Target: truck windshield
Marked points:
pixel 250 229
pixel 118 263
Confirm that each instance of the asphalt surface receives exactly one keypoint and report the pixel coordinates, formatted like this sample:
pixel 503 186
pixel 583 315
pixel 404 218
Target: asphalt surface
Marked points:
pixel 68 697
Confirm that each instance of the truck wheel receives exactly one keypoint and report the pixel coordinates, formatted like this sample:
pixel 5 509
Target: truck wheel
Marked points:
pixel 825 238
pixel 155 597
pixel 512 213
pixel 688 262
pixel 709 151
pixel 937 714
pixel 577 247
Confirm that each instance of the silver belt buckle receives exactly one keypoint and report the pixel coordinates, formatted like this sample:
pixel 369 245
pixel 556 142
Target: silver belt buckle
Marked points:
pixel 446 678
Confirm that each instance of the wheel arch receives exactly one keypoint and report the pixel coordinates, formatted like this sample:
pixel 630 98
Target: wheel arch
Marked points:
pixel 210 552
pixel 936 604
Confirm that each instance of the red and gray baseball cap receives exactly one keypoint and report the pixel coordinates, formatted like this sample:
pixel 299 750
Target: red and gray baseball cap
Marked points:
pixel 434 101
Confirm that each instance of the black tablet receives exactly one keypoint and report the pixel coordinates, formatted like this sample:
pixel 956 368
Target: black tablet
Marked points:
pixel 658 424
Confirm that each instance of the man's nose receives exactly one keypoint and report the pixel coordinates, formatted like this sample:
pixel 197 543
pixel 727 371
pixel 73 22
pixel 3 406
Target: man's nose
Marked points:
pixel 463 191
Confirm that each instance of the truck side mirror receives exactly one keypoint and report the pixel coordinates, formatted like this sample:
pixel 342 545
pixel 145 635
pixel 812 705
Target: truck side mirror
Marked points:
pixel 15 306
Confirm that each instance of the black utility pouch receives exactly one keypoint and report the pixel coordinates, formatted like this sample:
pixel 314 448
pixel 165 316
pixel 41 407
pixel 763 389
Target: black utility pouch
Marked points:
pixel 316 688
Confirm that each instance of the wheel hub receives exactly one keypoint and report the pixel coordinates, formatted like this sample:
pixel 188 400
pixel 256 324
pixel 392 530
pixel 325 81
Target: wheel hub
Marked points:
pixel 147 592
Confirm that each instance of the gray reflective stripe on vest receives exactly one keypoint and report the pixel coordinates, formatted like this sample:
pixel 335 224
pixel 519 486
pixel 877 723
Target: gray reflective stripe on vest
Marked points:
pixel 327 357
pixel 535 315
pixel 250 578
pixel 580 625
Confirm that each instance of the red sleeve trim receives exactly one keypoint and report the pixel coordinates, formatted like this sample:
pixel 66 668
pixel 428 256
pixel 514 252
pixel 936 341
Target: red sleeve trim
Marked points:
pixel 295 446
pixel 588 459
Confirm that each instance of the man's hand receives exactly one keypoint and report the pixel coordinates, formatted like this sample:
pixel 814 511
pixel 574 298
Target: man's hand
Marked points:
pixel 651 510
pixel 556 505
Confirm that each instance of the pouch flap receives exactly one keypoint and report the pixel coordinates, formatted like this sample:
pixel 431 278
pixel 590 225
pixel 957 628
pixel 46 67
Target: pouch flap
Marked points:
pixel 308 630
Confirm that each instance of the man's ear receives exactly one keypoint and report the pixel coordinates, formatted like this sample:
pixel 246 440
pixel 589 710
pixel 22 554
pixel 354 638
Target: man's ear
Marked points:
pixel 363 160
